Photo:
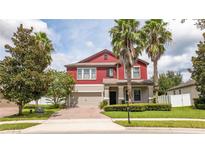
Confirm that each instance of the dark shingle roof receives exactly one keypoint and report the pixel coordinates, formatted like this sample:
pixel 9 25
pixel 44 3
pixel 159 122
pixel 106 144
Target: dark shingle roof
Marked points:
pixel 185 84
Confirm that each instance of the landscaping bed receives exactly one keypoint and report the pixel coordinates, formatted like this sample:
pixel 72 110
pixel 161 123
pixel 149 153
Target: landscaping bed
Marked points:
pixel 138 107
pixel 176 112
pixel 16 126
pixel 170 124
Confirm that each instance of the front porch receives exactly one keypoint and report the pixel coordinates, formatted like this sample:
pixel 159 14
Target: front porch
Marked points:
pixel 116 92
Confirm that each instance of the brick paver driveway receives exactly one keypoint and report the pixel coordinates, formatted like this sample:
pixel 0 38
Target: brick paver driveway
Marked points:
pixel 82 112
pixel 6 111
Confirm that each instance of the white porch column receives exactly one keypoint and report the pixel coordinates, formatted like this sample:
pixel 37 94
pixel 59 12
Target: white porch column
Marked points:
pixel 120 94
pixel 106 92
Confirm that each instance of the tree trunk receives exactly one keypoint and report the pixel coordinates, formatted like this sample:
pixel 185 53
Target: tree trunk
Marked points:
pixel 129 85
pixel 129 92
pixel 156 85
pixel 36 103
pixel 20 106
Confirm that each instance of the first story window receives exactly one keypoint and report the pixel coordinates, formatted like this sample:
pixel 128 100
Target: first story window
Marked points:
pixel 136 95
pixel 86 73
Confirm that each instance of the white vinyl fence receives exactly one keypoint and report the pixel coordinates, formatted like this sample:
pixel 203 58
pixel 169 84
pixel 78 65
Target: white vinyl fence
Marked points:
pixel 175 100
pixel 43 100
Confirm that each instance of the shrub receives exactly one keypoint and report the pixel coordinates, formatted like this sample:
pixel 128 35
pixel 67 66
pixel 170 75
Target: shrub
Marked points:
pixel 45 106
pixel 103 104
pixel 158 107
pixel 199 103
pixel 139 107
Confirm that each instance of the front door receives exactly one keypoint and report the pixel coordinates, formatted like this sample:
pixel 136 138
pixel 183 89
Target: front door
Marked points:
pixel 113 99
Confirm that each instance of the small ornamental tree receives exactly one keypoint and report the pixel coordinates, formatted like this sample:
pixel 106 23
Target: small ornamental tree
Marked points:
pixel 168 80
pixel 198 73
pixel 61 87
pixel 22 74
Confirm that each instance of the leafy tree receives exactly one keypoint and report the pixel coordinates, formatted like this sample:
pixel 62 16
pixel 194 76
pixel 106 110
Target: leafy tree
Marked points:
pixel 198 72
pixel 168 80
pixel 127 45
pixel 61 86
pixel 22 75
pixel 156 35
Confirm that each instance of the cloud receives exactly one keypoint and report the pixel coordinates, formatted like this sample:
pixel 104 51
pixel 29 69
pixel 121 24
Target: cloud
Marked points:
pixel 89 44
pixel 184 36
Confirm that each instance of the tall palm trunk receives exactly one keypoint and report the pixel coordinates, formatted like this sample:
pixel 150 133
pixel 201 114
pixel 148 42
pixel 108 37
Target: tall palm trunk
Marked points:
pixel 129 85
pixel 129 92
pixel 156 85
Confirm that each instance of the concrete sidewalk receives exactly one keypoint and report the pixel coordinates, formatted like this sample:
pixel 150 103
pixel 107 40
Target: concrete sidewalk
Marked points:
pixel 99 126
pixel 75 126
pixel 159 119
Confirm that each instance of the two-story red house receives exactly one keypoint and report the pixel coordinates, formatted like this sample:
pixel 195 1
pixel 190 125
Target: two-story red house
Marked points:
pixel 102 77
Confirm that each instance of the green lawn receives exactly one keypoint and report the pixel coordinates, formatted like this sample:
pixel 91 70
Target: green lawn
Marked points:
pixel 30 116
pixel 174 124
pixel 16 126
pixel 177 112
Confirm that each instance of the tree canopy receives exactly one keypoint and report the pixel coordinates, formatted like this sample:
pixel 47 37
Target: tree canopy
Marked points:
pixel 198 73
pixel 61 86
pixel 168 80
pixel 22 74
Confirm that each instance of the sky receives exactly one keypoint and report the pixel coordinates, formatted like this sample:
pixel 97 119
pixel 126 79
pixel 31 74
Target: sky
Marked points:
pixel 74 40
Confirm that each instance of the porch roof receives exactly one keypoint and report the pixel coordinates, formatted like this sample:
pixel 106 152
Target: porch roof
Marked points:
pixel 135 82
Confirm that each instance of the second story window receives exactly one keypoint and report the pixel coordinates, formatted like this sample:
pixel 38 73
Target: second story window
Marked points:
pixel 86 73
pixel 110 72
pixel 135 72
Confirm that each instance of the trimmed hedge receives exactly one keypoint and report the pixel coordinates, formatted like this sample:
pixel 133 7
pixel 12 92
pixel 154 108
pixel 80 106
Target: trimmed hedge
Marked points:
pixel 199 103
pixel 45 106
pixel 139 107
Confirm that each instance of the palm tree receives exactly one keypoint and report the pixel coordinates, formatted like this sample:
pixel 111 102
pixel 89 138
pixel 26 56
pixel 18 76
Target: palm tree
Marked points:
pixel 157 36
pixel 127 46
pixel 44 47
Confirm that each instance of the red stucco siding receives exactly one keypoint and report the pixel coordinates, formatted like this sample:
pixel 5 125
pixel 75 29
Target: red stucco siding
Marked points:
pixel 100 58
pixel 101 71
pixel 143 71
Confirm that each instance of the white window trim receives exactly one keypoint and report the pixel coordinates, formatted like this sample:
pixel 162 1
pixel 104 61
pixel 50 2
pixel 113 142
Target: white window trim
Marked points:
pixel 125 77
pixel 89 73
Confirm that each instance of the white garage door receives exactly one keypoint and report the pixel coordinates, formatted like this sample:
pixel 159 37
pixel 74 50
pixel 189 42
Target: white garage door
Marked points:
pixel 88 98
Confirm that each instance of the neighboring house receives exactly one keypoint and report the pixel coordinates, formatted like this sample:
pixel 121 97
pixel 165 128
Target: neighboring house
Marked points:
pixel 102 77
pixel 188 87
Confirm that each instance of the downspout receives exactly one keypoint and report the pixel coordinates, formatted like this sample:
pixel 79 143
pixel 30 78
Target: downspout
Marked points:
pixel 117 71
